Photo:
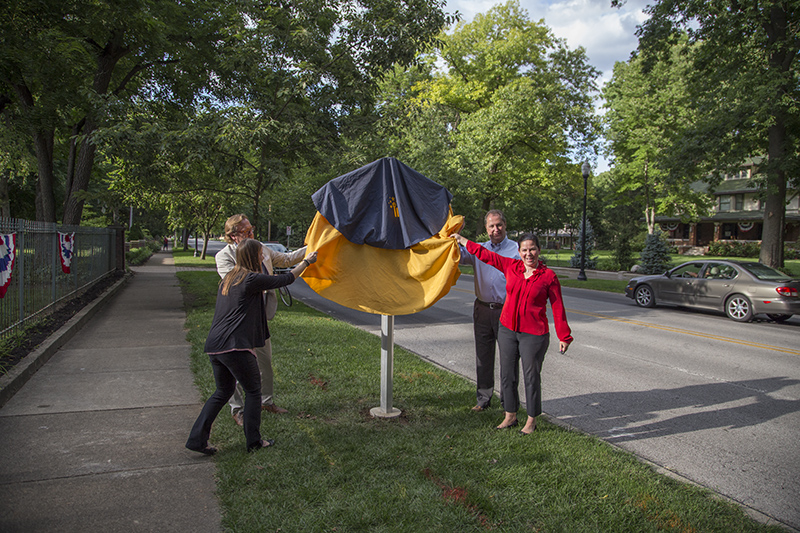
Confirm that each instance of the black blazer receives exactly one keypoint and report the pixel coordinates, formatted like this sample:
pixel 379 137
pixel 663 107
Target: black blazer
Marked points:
pixel 239 319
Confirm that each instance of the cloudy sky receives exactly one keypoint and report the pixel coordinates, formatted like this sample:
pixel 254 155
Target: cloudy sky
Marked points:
pixel 608 34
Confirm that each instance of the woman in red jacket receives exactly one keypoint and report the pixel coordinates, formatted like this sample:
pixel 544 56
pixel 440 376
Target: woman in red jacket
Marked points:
pixel 524 334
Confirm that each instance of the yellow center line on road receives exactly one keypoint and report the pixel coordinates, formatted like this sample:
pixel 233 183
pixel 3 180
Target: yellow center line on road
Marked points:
pixel 687 332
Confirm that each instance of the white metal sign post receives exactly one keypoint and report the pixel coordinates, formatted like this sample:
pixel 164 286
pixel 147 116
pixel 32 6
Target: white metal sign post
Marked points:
pixel 387 368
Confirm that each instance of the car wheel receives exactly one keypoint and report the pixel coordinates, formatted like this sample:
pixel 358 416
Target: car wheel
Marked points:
pixel 779 318
pixel 644 296
pixel 739 308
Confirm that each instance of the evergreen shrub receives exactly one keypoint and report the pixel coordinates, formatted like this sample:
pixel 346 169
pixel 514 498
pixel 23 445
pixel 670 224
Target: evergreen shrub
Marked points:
pixel 655 258
pixel 575 260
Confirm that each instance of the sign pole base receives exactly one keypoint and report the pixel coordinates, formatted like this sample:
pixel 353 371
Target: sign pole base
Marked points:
pixel 387 368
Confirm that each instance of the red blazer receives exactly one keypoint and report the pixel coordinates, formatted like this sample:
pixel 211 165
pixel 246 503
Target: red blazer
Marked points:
pixel 525 309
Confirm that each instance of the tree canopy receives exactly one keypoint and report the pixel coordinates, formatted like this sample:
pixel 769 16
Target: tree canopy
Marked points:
pixel 503 108
pixel 743 85
pixel 286 77
pixel 648 109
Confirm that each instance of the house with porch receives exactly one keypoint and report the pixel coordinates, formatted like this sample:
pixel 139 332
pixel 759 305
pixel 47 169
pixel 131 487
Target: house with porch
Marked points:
pixel 737 215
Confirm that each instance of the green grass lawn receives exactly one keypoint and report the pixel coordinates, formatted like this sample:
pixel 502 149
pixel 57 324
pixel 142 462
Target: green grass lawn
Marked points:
pixel 437 468
pixel 187 259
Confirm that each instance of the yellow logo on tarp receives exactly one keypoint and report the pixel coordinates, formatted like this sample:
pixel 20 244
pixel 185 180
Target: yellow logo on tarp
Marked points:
pixel 393 205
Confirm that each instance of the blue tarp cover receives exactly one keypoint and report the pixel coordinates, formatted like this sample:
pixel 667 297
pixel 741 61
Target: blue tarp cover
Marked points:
pixel 384 204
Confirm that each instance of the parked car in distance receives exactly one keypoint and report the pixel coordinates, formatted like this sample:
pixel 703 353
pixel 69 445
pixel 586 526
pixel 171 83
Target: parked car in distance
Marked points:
pixel 278 247
pixel 740 289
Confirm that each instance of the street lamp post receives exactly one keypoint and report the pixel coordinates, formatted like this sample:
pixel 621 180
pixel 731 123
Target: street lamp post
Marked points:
pixel 585 171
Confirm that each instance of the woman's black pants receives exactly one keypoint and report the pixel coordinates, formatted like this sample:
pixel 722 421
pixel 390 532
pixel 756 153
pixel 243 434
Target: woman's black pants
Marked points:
pixel 530 349
pixel 230 367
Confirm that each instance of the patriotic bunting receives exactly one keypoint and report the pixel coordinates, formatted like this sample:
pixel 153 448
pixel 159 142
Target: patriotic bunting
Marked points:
pixel 66 243
pixel 8 252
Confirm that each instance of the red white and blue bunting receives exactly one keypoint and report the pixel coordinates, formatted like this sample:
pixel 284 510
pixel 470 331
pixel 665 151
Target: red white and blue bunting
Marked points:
pixel 8 252
pixel 66 243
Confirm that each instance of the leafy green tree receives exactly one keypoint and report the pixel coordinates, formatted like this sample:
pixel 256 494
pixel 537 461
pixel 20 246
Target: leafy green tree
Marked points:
pixel 67 65
pixel 618 215
pixel 622 250
pixel 744 85
pixel 297 73
pixel 516 104
pixel 203 212
pixel 306 79
pixel 648 109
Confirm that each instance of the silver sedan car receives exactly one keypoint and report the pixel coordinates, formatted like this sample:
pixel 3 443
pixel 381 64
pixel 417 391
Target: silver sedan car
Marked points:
pixel 740 289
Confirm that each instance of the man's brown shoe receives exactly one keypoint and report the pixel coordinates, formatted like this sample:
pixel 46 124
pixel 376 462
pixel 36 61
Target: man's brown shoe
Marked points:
pixel 272 408
pixel 479 408
pixel 238 417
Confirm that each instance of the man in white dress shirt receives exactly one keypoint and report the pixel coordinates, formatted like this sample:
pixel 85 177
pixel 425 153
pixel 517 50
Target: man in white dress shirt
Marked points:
pixel 490 293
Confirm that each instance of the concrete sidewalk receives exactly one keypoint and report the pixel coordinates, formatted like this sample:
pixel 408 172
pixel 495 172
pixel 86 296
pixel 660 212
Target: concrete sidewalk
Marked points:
pixel 94 441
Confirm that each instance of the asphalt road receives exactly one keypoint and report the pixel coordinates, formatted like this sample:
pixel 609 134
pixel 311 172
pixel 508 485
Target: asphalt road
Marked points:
pixel 709 399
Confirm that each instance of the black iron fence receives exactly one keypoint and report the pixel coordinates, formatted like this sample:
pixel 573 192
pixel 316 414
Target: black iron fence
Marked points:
pixel 43 265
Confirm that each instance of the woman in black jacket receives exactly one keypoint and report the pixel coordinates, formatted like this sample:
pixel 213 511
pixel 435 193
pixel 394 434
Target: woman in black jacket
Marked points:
pixel 238 327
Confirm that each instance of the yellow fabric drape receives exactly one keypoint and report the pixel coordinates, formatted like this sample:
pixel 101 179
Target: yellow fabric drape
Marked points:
pixel 381 281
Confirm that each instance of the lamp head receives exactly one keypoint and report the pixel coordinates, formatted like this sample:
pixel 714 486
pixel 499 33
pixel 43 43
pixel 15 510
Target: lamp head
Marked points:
pixel 585 169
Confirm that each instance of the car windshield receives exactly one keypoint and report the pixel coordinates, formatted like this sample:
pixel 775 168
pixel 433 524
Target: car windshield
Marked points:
pixel 763 271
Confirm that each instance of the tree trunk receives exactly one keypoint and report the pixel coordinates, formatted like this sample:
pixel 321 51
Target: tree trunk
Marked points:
pixel 5 201
pixel 650 219
pixel 73 149
pixel 107 59
pixel 43 147
pixel 775 200
pixel 206 237
pixel 782 54
pixel 73 206
pixel 45 197
pixel 649 209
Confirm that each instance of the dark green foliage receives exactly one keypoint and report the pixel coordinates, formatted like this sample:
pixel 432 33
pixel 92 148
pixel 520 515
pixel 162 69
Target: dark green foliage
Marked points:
pixel 734 249
pixel 575 260
pixel 139 256
pixel 622 250
pixel 135 233
pixel 654 259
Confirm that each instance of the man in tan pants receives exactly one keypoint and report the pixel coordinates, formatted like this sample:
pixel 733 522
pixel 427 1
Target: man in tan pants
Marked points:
pixel 237 228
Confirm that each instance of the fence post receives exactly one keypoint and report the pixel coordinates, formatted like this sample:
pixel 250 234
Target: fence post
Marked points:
pixel 20 267
pixel 54 269
pixel 119 247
